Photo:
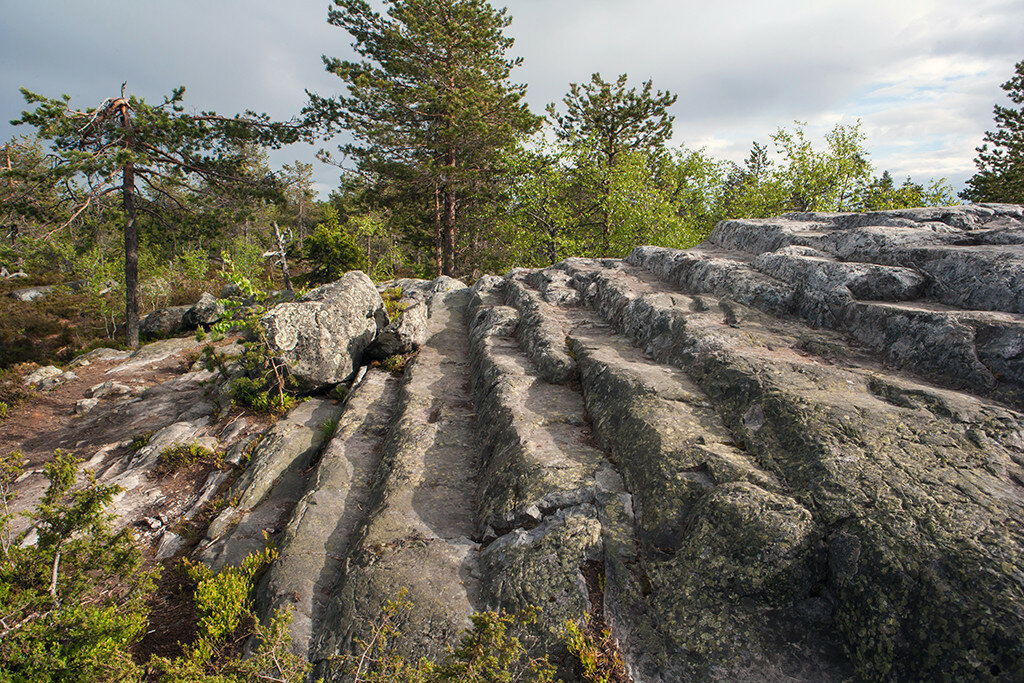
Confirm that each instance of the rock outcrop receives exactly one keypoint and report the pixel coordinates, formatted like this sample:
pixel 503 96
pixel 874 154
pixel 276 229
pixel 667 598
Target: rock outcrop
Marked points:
pixel 320 338
pixel 792 453
pixel 795 452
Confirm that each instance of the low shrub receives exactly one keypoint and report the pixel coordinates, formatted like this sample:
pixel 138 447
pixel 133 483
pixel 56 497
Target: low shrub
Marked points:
pixel 181 456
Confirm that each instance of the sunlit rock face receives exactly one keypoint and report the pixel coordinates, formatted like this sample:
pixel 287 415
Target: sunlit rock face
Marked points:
pixel 795 452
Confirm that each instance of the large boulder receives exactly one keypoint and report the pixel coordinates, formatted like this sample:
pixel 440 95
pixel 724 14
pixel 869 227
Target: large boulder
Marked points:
pixel 163 322
pixel 321 337
pixel 205 312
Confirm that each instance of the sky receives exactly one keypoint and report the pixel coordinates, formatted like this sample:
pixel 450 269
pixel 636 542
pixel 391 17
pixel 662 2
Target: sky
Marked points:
pixel 920 75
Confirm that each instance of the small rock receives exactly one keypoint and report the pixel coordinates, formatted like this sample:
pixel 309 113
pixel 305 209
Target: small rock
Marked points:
pixel 46 372
pixel 170 545
pixel 151 522
pixel 84 405
pixel 109 388
pixel 30 293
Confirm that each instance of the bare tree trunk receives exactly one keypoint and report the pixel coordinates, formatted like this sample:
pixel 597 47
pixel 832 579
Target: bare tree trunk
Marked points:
pixel 281 248
pixel 449 233
pixel 131 257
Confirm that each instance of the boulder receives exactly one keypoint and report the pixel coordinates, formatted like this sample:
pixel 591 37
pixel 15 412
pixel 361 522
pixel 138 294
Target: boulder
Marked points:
pixel 30 293
pixel 164 322
pixel 205 312
pixel 321 337
pixel 403 335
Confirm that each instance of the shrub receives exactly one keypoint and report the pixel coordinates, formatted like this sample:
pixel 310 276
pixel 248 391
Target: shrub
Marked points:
pixel 493 649
pixel 595 652
pixel 224 606
pixel 74 603
pixel 181 456
pixel 331 250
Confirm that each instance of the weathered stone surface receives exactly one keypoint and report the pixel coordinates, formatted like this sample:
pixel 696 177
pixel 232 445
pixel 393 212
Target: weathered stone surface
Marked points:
pixel 325 520
pixel 418 534
pixel 205 312
pixel 47 372
pixel 164 322
pixel 273 481
pixel 404 334
pixel 30 293
pixel 321 337
pixel 794 453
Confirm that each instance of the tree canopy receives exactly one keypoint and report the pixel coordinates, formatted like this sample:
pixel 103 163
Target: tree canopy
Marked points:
pixel 430 105
pixel 1000 160
pixel 149 155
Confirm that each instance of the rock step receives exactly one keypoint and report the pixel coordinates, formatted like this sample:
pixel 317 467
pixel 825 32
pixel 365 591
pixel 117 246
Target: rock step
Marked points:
pixel 547 492
pixel 262 499
pixel 975 350
pixel 685 471
pixel 316 542
pixel 418 536
pixel 898 522
pixel 539 332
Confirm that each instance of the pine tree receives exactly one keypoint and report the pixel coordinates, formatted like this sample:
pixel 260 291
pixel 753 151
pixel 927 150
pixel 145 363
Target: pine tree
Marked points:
pixel 430 105
pixel 1000 176
pixel 612 123
pixel 146 153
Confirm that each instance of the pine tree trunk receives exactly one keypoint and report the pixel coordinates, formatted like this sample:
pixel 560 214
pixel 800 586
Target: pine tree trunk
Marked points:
pixel 439 231
pixel 449 233
pixel 131 257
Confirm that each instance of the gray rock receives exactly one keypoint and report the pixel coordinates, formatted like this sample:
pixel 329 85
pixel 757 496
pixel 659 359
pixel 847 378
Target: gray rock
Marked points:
pixel 321 337
pixel 84 405
pixel 170 545
pixel 164 322
pixel 31 293
pixel 44 373
pixel 108 388
pixel 99 355
pixel 204 312
pixel 403 335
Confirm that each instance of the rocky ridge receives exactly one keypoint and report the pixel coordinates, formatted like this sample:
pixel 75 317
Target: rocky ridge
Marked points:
pixel 795 452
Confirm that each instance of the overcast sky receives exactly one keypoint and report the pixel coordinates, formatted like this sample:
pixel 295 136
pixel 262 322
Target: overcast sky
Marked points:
pixel 921 75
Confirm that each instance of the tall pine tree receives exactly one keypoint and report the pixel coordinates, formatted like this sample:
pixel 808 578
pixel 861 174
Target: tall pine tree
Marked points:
pixel 430 105
pixel 144 153
pixel 1000 176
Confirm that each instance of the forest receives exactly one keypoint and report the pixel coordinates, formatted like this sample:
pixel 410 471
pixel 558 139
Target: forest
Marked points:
pixel 446 170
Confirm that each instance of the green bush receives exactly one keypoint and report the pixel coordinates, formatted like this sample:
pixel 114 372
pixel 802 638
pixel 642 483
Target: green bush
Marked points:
pixel 181 456
pixel 73 604
pixel 494 649
pixel 331 251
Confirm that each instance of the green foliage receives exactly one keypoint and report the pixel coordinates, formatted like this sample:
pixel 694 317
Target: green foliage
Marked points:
pixel 493 650
pixel 596 656
pixel 140 441
pixel 429 103
pixel 253 393
pixel 1000 160
pixel 331 250
pixel 393 303
pixel 73 603
pixel 803 178
pixel 396 364
pixel 181 456
pixel 224 607
pixel 613 119
pixel 262 385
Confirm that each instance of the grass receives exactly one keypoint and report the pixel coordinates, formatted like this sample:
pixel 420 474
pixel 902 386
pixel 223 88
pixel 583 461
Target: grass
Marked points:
pixel 183 456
